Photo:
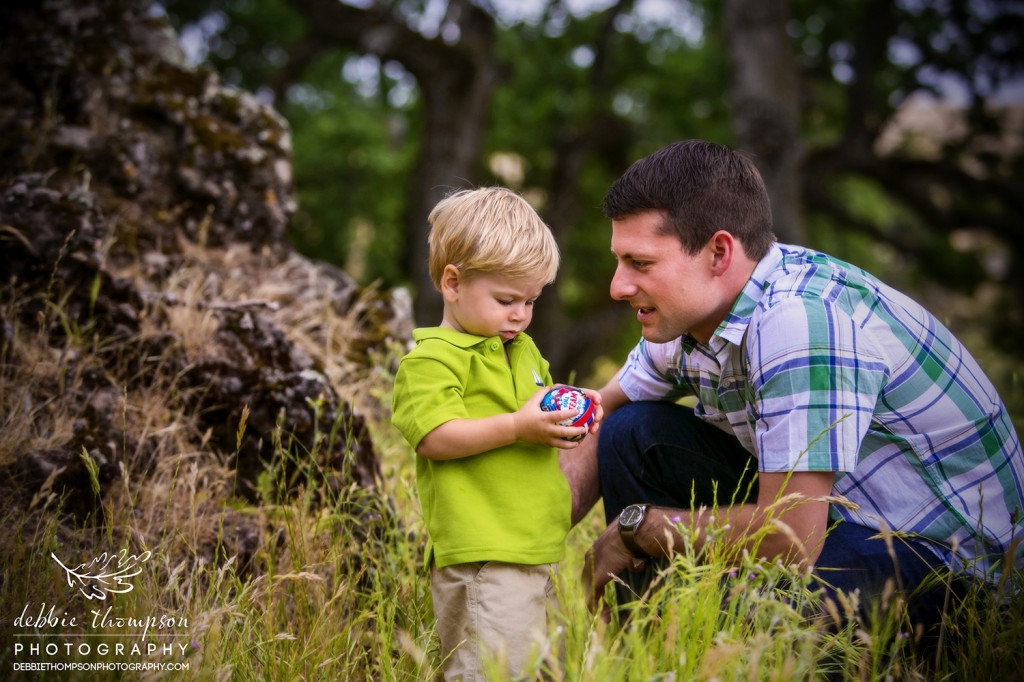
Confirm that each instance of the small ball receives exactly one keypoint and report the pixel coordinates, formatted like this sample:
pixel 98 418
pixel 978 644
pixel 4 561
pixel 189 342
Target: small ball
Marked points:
pixel 570 398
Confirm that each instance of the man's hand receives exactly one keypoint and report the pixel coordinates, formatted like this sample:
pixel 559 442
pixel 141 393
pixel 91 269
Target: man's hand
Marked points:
pixel 796 505
pixel 606 558
pixel 596 397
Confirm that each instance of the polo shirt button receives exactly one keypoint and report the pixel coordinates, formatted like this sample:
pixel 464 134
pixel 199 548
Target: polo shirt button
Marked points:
pixel 495 345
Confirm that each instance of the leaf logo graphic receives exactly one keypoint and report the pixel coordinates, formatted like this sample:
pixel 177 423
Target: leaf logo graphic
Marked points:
pixel 98 578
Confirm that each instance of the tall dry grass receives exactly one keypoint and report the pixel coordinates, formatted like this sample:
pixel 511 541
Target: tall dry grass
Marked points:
pixel 336 588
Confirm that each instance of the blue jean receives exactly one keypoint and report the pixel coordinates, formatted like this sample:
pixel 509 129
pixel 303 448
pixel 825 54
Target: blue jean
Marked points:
pixel 661 453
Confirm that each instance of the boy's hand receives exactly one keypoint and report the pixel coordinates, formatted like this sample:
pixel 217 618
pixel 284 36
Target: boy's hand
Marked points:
pixel 534 425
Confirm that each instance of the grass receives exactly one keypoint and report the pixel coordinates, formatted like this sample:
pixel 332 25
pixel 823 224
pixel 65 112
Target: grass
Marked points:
pixel 329 601
pixel 335 587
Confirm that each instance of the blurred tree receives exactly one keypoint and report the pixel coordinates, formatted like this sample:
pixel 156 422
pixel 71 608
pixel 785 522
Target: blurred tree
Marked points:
pixel 765 97
pixel 394 103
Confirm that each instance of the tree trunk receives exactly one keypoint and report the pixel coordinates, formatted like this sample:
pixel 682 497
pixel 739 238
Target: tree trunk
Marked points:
pixel 456 81
pixel 766 105
pixel 456 103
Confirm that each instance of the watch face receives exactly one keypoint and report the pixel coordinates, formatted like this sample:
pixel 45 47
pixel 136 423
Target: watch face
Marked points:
pixel 631 515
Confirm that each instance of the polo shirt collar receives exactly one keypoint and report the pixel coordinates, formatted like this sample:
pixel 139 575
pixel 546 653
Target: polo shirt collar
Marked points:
pixel 456 338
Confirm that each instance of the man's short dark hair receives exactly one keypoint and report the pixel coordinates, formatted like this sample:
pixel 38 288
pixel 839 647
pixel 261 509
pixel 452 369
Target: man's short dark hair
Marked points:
pixel 700 187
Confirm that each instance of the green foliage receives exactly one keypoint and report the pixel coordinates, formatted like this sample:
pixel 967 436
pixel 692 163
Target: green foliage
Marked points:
pixel 247 41
pixel 582 95
pixel 352 159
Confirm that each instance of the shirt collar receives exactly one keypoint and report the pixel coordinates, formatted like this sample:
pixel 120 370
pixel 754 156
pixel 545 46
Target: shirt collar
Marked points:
pixel 457 338
pixel 734 326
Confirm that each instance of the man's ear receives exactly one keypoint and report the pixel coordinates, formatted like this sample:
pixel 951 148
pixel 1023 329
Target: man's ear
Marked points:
pixel 722 246
pixel 450 280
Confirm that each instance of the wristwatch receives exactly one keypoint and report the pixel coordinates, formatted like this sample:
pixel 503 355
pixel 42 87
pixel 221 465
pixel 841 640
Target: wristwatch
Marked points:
pixel 629 521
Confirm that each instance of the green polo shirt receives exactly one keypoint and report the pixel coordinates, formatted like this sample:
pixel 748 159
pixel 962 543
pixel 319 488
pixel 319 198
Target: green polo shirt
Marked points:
pixel 510 504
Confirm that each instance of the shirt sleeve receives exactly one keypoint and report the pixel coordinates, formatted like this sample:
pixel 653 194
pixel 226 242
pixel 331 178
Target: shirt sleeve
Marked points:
pixel 647 373
pixel 815 377
pixel 427 393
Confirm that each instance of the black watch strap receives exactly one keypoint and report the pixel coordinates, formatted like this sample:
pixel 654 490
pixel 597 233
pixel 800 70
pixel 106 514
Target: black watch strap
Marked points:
pixel 629 522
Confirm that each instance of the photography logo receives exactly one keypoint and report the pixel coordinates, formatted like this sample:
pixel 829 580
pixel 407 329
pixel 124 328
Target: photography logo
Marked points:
pixel 97 578
pixel 50 637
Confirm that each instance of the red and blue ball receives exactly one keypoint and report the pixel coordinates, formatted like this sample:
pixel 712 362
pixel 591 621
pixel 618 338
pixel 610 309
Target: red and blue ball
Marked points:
pixel 570 398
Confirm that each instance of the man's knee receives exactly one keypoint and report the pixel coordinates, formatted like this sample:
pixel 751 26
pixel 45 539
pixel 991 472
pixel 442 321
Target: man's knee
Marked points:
pixel 638 426
pixel 616 434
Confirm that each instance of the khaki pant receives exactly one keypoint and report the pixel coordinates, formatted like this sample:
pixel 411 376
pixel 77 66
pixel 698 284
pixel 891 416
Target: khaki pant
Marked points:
pixel 491 617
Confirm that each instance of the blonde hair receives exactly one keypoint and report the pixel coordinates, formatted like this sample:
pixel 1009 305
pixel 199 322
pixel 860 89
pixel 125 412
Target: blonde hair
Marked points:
pixel 490 230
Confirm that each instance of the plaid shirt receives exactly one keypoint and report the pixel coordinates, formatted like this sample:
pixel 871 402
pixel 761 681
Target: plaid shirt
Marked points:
pixel 821 367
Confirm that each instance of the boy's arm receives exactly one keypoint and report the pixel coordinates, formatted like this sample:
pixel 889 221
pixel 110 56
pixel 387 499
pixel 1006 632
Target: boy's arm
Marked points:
pixel 465 437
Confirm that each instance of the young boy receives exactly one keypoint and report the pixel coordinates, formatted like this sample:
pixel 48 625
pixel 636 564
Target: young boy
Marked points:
pixel 467 398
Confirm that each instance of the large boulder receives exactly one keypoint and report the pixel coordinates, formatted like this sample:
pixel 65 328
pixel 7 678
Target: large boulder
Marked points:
pixel 143 209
